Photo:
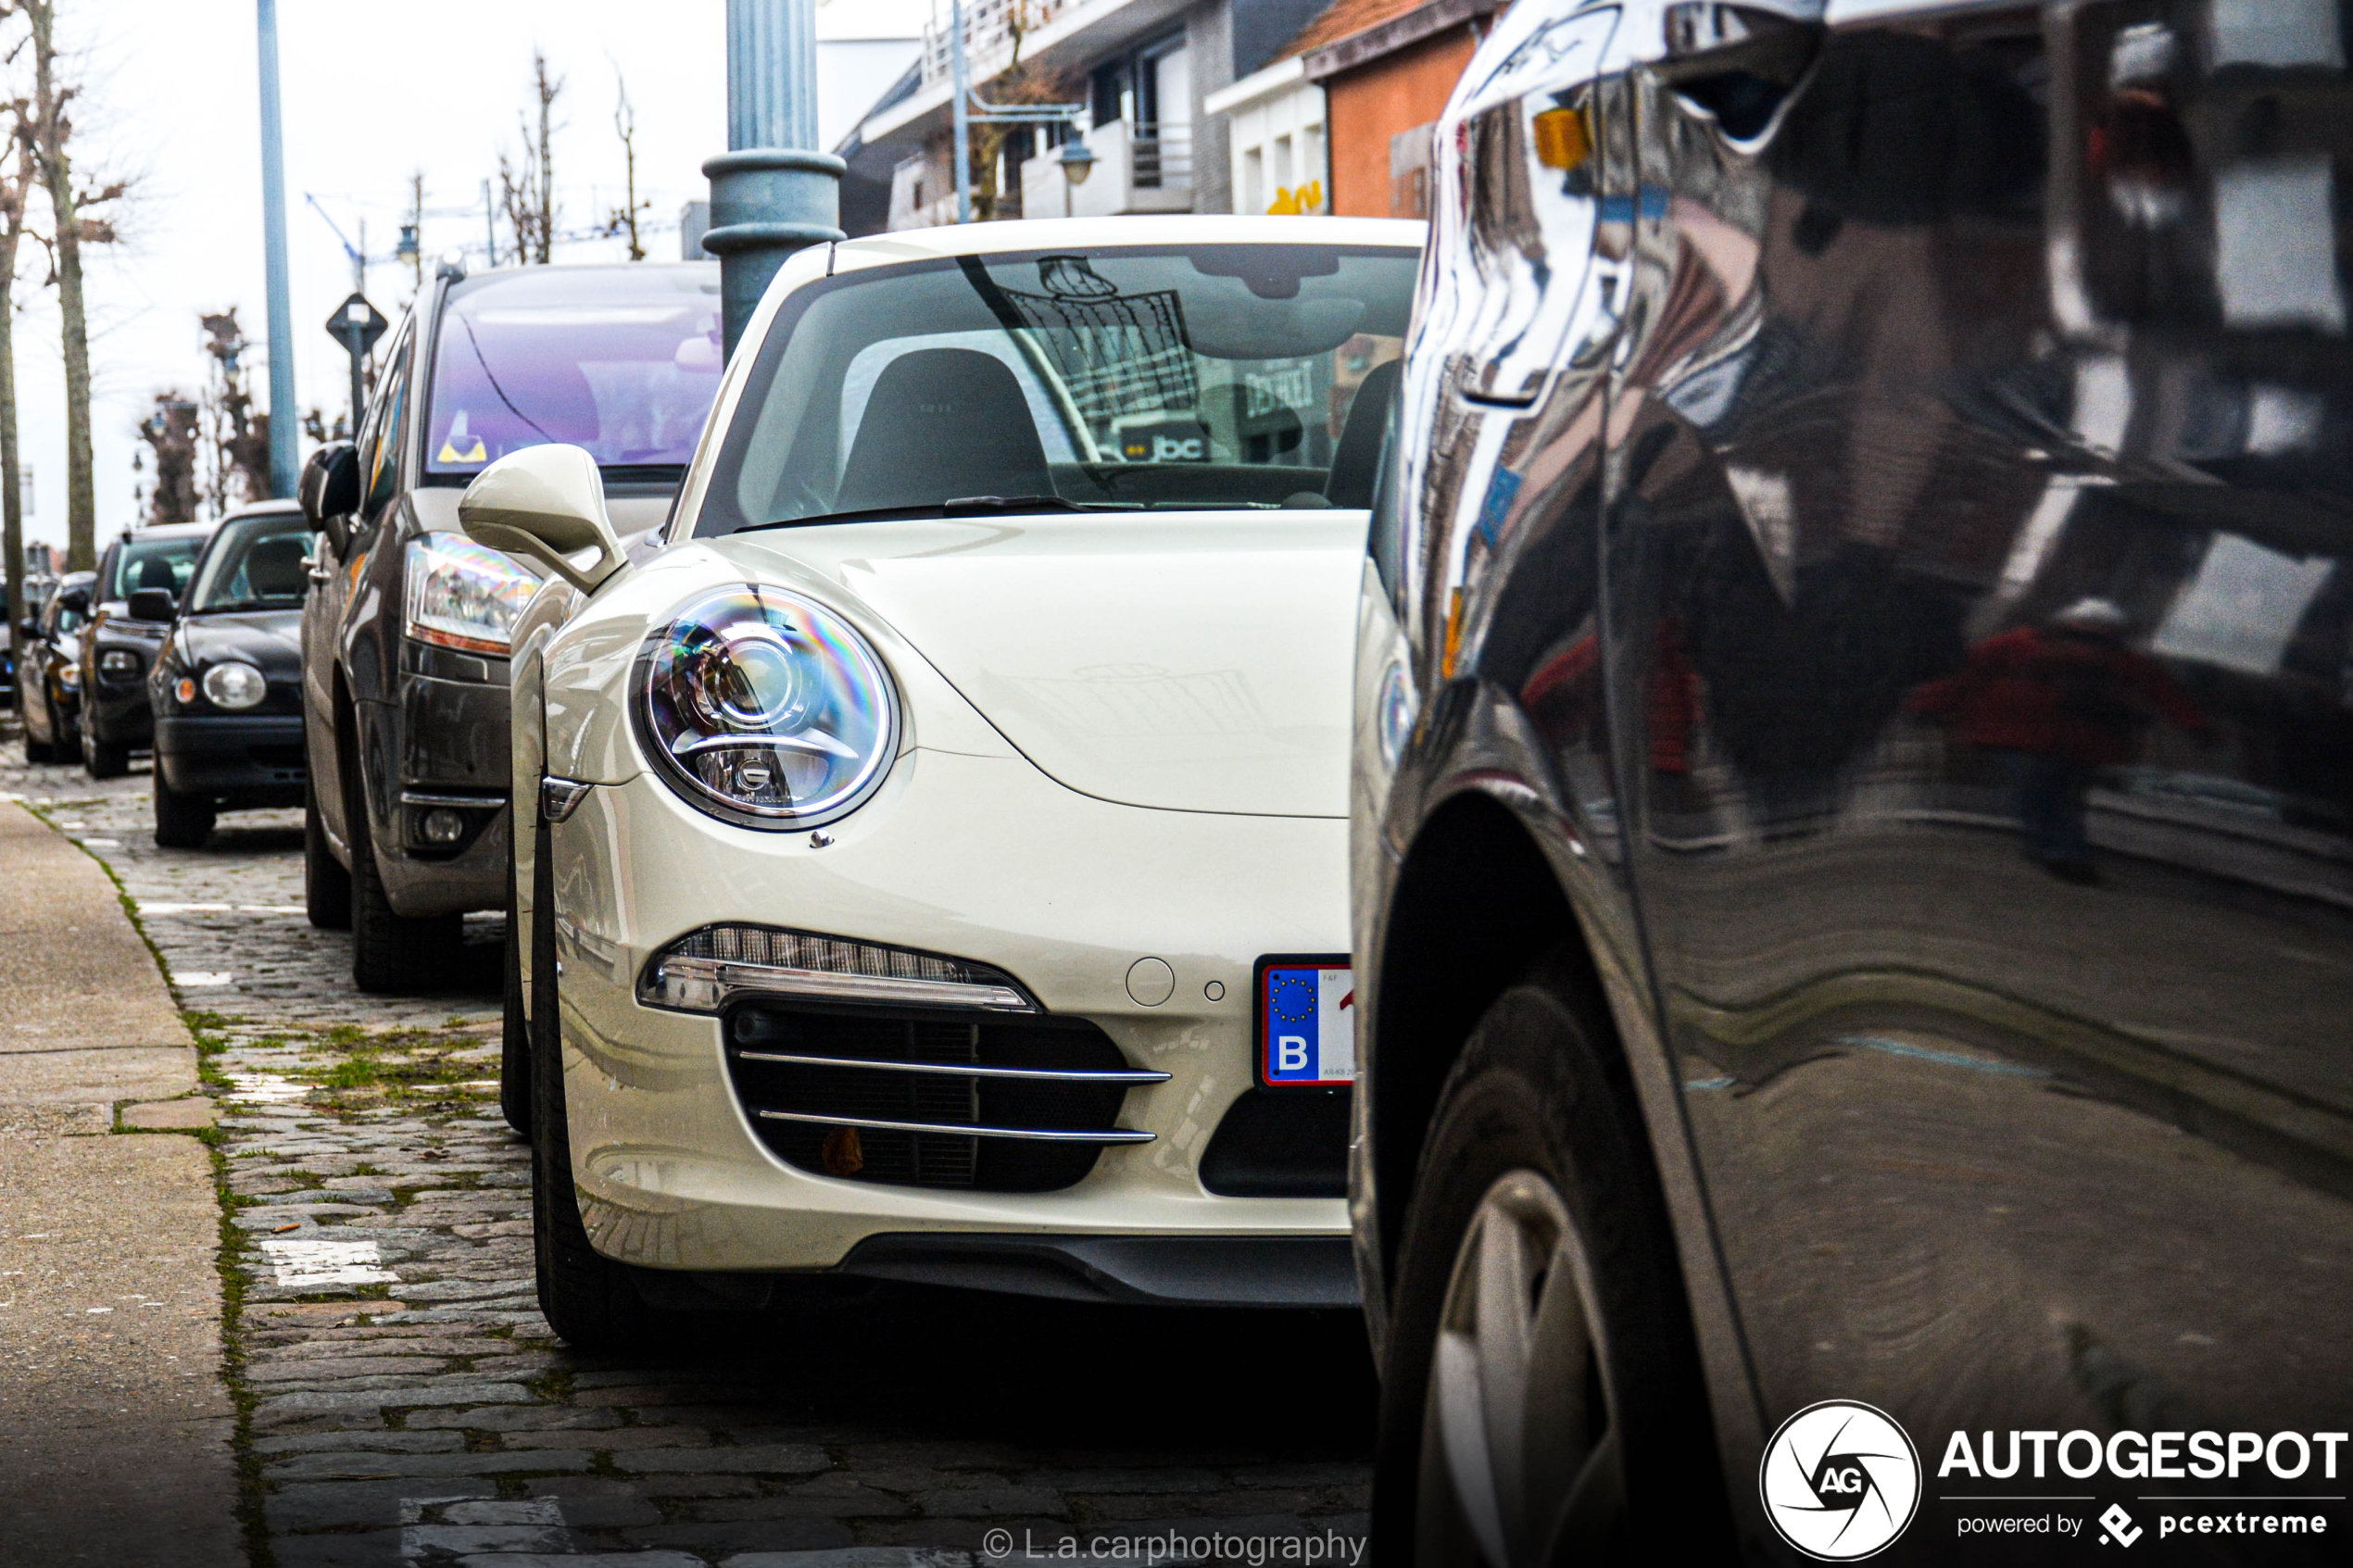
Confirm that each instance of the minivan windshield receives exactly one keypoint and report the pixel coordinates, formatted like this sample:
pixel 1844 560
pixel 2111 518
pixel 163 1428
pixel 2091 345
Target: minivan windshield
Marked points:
pixel 254 563
pixel 152 563
pixel 621 360
pixel 1216 377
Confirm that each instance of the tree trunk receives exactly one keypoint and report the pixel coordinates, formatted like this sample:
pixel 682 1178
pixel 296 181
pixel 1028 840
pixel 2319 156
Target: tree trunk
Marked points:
pixel 14 194
pixel 53 130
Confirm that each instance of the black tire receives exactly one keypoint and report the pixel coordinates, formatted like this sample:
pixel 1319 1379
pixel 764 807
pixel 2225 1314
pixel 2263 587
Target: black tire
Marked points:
pixel 104 759
pixel 392 954
pixel 585 1297
pixel 514 1042
pixel 182 822
pixel 326 886
pixel 1535 1105
pixel 35 750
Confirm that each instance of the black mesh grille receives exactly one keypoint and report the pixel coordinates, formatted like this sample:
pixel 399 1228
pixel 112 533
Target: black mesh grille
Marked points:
pixel 869 1154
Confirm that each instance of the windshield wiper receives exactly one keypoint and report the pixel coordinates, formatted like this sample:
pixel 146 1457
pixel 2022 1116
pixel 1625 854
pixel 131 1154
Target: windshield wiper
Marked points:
pixel 961 506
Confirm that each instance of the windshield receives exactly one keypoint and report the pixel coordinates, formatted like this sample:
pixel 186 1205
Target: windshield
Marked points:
pixel 1217 377
pixel 621 360
pixel 255 563
pixel 152 563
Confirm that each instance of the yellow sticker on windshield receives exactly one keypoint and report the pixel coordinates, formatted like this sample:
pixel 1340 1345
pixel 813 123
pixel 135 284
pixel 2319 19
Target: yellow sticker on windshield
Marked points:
pixel 460 445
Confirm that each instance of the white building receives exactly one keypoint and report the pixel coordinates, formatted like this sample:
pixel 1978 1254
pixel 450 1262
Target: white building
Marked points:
pixel 1276 136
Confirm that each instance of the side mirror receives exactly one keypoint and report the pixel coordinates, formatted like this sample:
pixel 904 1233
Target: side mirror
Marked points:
pixel 546 504
pixel 153 604
pixel 330 490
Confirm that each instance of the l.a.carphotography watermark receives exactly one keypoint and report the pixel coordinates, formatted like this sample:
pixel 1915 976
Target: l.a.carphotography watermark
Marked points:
pixel 1168 1548
pixel 1842 1481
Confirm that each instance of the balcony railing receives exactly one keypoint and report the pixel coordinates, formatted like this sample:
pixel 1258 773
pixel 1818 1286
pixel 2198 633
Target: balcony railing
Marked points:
pixel 1161 156
pixel 988 35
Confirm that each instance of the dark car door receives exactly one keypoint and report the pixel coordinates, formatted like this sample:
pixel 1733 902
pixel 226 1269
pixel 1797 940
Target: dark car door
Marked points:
pixel 335 577
pixel 1974 561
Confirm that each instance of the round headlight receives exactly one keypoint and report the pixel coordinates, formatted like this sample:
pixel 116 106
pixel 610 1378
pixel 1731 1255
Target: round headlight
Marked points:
pixel 234 685
pixel 763 708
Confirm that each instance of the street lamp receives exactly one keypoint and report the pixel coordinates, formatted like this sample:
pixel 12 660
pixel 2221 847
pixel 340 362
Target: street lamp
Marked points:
pixel 1078 160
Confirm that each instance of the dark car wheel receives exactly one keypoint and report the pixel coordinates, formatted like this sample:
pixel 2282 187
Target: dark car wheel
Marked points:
pixel 1541 1391
pixel 104 759
pixel 587 1298
pixel 393 954
pixel 326 886
pixel 514 1041
pixel 35 750
pixel 182 822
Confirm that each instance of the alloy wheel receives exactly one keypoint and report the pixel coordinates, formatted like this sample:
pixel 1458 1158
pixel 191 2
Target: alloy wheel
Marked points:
pixel 1520 1453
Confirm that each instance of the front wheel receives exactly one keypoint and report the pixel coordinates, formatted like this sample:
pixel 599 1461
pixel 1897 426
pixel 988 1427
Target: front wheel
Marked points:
pixel 1541 1391
pixel 35 750
pixel 182 822
pixel 585 1297
pixel 104 759
pixel 514 1042
pixel 326 886
pixel 393 954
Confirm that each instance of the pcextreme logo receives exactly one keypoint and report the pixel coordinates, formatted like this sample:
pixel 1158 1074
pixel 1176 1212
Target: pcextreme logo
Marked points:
pixel 1841 1480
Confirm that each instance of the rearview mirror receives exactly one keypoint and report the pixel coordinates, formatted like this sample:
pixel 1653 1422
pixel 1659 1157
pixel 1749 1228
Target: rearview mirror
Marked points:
pixel 153 604
pixel 544 504
pixel 330 490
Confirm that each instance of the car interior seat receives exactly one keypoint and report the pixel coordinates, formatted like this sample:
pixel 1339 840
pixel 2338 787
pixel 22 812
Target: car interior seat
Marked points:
pixel 156 572
pixel 942 424
pixel 274 569
pixel 1356 458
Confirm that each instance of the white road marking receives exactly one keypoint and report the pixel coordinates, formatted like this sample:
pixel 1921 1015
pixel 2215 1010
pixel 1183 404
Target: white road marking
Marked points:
pixel 312 1265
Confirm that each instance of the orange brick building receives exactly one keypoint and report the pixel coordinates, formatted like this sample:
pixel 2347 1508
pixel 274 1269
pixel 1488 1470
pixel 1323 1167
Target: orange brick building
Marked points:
pixel 1386 67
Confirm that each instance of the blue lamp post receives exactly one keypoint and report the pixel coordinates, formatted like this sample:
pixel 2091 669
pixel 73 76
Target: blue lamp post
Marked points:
pixel 773 191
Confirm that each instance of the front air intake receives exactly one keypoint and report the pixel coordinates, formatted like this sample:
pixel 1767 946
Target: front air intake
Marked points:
pixel 707 969
pixel 930 1098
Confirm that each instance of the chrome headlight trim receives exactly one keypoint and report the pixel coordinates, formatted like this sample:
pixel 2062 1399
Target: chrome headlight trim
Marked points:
pixel 706 970
pixel 754 690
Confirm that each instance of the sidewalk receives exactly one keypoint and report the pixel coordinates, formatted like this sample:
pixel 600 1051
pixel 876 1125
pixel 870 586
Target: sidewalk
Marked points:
pixel 115 1426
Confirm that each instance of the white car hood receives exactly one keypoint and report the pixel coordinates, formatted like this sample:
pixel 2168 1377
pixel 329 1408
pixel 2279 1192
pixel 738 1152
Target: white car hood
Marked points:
pixel 1194 661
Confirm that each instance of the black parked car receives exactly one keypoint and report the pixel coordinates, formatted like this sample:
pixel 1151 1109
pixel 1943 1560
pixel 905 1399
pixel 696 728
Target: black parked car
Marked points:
pixel 227 686
pixel 49 670
pixel 121 645
pixel 1854 795
pixel 405 635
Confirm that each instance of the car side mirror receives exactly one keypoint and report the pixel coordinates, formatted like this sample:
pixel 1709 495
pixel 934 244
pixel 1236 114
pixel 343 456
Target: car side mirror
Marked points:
pixel 546 504
pixel 329 493
pixel 153 604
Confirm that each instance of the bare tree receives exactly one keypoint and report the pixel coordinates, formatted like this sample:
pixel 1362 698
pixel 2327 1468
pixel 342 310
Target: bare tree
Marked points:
pixel 1021 82
pixel 236 437
pixel 527 189
pixel 625 125
pixel 52 135
pixel 170 434
pixel 16 191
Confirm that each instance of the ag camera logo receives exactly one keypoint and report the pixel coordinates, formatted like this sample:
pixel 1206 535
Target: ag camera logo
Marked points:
pixel 1841 1480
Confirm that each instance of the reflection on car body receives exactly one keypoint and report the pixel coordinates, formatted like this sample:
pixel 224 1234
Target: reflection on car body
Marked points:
pixel 1873 709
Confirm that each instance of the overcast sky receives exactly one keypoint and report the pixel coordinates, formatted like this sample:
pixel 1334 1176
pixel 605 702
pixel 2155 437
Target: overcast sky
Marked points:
pixel 374 92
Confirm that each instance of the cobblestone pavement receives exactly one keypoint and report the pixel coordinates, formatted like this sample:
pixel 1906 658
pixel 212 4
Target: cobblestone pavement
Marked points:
pixel 405 1402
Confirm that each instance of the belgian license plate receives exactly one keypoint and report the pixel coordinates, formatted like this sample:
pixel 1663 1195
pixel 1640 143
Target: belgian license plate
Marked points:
pixel 1306 1022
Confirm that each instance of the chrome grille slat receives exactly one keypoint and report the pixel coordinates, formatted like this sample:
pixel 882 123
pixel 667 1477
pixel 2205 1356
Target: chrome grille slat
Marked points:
pixel 964 1129
pixel 963 1069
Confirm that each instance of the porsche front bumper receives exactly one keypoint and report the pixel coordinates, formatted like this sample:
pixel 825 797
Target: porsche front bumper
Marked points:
pixel 985 859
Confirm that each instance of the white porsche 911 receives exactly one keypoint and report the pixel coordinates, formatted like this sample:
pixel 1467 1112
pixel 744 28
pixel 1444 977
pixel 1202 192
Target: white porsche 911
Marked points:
pixel 932 843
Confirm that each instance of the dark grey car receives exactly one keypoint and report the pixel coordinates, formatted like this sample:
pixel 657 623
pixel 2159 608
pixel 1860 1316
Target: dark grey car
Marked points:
pixel 405 629
pixel 1853 792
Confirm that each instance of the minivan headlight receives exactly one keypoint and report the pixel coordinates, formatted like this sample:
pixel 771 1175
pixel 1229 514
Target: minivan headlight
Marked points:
pixel 763 708
pixel 459 594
